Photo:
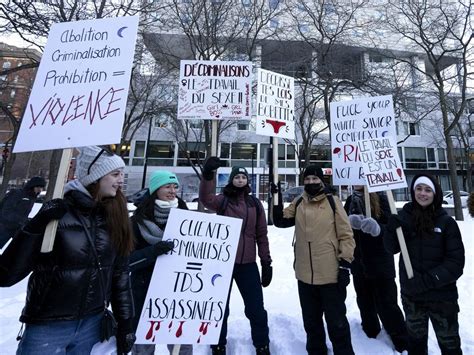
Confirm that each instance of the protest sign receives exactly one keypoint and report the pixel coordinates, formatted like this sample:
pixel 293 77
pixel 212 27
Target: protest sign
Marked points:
pixel 81 86
pixel 187 296
pixel 351 122
pixel 214 90
pixel 275 105
pixel 381 164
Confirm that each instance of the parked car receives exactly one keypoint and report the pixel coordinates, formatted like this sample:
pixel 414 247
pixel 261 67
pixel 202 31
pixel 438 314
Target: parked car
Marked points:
pixel 293 192
pixel 448 198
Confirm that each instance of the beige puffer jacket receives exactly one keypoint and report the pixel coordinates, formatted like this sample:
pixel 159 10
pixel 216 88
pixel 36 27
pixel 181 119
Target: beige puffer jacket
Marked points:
pixel 322 238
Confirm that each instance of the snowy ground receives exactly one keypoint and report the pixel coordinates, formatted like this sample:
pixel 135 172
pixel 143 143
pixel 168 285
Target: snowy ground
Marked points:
pixel 281 301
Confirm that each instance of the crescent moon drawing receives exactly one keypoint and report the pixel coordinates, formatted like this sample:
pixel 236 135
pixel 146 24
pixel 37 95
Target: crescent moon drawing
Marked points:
pixel 213 278
pixel 120 30
pixel 384 133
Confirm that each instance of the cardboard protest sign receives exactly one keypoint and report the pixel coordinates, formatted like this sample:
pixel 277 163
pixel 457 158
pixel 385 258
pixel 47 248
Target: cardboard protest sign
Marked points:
pixel 214 90
pixel 187 296
pixel 351 122
pixel 275 105
pixel 381 164
pixel 81 86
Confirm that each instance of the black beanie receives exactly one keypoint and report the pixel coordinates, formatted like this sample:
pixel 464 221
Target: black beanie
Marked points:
pixel 314 170
pixel 237 170
pixel 35 181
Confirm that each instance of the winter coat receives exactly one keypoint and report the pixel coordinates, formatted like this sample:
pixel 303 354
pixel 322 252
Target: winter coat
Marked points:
pixel 65 283
pixel 439 253
pixel 142 263
pixel 254 225
pixel 371 260
pixel 322 238
pixel 14 210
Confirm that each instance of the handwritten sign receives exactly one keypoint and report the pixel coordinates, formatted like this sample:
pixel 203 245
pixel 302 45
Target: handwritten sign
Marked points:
pixel 353 121
pixel 81 86
pixel 187 296
pixel 214 90
pixel 381 164
pixel 275 105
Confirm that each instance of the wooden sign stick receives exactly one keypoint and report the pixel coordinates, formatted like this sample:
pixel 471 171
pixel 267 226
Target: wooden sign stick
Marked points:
pixel 368 213
pixel 401 238
pixel 176 349
pixel 50 232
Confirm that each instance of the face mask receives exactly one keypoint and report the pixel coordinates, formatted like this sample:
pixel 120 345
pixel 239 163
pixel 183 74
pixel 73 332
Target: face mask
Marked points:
pixel 313 189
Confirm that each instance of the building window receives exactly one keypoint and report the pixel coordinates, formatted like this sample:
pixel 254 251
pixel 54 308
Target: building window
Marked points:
pixel 411 128
pixel 225 150
pixel 243 126
pixel 139 149
pixel 196 151
pixel 430 153
pixel 415 158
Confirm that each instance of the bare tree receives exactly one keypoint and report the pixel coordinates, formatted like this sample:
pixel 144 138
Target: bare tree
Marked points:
pixel 330 67
pixel 31 21
pixel 442 31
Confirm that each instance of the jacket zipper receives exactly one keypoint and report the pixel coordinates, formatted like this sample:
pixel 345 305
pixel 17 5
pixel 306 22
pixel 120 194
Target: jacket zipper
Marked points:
pixel 311 263
pixel 243 229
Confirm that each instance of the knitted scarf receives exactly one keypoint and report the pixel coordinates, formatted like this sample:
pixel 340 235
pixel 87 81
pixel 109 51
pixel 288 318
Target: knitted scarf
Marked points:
pixel 152 231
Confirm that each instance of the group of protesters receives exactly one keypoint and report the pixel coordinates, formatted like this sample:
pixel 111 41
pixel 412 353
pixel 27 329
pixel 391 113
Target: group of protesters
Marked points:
pixel 102 257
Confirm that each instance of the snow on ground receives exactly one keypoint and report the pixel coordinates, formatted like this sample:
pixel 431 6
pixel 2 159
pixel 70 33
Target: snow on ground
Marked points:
pixel 281 301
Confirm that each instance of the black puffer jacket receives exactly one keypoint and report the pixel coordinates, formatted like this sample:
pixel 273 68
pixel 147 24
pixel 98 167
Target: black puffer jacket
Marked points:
pixel 370 257
pixel 65 284
pixel 439 253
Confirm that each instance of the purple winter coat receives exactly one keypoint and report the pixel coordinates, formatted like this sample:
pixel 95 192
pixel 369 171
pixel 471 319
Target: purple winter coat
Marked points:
pixel 254 232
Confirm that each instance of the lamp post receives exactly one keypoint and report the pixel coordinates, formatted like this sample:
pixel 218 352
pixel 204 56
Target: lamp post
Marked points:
pixel 145 163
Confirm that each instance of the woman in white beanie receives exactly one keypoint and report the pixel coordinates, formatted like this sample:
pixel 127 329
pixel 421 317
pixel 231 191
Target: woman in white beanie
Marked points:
pixel 149 222
pixel 71 287
pixel 436 252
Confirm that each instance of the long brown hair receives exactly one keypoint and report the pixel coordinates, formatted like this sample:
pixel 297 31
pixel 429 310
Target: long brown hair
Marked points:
pixel 116 216
pixel 375 208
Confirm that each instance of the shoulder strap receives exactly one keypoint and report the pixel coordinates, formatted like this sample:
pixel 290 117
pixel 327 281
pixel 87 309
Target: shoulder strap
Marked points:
pixel 223 205
pixel 96 256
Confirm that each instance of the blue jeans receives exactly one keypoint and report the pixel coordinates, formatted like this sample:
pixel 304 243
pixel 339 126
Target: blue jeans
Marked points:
pixel 71 337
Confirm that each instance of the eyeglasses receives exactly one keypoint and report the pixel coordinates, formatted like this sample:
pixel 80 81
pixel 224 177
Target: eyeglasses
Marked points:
pixel 105 150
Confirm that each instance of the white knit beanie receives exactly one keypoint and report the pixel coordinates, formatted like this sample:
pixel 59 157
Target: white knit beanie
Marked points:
pixel 105 163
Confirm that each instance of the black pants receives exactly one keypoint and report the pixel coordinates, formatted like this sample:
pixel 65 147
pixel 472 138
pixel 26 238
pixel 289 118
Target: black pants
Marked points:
pixel 317 300
pixel 444 318
pixel 377 298
pixel 247 278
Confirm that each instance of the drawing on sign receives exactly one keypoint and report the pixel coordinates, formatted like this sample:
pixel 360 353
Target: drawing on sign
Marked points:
pixel 80 90
pixel 214 90
pixel 354 121
pixel 189 304
pixel 275 104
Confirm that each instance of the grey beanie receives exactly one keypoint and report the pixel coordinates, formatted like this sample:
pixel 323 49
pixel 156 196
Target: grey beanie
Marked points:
pixel 89 171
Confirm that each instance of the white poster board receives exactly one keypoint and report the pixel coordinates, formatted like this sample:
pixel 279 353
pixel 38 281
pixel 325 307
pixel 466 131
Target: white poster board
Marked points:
pixel 353 121
pixel 214 90
pixel 381 164
pixel 81 86
pixel 275 105
pixel 187 296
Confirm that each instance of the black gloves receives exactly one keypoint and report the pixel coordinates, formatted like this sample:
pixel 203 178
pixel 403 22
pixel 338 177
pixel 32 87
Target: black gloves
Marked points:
pixel 210 166
pixel 394 221
pixel 267 273
pixel 125 342
pixel 125 337
pixel 277 189
pixel 343 275
pixel 419 283
pixel 162 247
pixel 51 210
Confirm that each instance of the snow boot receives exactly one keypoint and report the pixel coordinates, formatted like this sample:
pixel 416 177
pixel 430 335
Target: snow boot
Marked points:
pixel 218 349
pixel 263 350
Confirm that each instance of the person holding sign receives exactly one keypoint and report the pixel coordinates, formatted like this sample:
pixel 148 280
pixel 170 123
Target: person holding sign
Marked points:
pixel 324 248
pixel 373 269
pixel 71 286
pixel 436 249
pixel 236 201
pixel 149 222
